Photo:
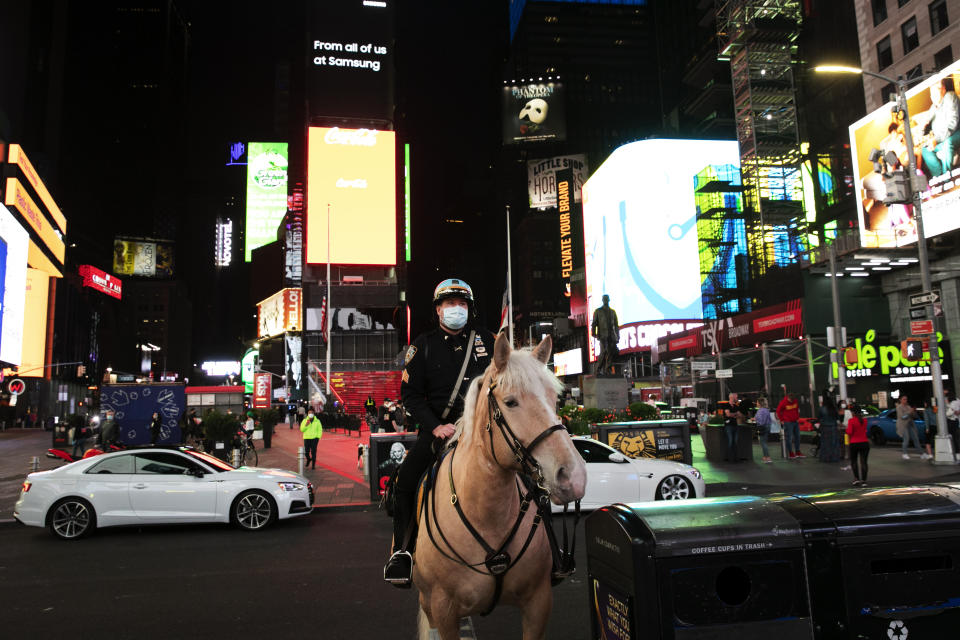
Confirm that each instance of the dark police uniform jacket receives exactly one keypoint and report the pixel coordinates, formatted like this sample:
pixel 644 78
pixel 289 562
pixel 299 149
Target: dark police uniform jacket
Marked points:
pixel 433 363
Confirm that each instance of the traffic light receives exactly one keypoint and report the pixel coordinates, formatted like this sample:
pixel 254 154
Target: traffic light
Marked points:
pixel 911 349
pixel 897 186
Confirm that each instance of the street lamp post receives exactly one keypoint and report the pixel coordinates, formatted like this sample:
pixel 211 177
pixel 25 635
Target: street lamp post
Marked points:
pixel 944 443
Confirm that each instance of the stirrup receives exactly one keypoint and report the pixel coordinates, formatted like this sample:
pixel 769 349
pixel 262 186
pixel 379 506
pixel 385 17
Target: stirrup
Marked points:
pixel 406 580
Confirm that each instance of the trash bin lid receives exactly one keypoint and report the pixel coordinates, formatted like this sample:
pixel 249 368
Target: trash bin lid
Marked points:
pixel 716 525
pixel 930 510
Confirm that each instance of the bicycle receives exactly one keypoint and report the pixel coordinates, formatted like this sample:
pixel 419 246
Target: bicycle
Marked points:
pixel 248 451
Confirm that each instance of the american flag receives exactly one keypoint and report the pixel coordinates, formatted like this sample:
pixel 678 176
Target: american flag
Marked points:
pixel 323 318
pixel 504 312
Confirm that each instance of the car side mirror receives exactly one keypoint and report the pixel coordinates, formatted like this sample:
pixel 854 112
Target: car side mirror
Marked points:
pixel 617 457
pixel 197 473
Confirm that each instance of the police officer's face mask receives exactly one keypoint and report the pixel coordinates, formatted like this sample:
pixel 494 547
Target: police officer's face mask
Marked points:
pixel 454 317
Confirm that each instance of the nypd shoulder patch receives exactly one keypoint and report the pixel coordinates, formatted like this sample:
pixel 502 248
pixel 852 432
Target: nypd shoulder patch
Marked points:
pixel 412 351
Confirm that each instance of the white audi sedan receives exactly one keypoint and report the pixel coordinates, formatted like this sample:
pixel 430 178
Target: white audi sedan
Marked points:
pixel 158 485
pixel 613 477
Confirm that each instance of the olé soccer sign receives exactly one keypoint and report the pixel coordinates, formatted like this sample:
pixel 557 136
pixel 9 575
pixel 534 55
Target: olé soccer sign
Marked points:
pixel 261 391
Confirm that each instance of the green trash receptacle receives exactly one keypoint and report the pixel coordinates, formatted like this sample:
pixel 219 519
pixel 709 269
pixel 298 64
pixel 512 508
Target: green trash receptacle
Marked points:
pixel 728 568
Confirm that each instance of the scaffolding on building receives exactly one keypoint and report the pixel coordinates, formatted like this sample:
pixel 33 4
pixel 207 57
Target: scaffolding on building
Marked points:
pixel 721 233
pixel 758 37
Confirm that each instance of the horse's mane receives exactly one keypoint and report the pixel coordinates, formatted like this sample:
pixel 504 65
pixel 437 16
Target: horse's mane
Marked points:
pixel 523 371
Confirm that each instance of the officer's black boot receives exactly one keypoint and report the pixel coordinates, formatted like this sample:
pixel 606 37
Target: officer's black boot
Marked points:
pixel 399 568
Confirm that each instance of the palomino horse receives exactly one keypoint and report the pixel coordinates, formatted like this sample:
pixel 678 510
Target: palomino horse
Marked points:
pixel 477 487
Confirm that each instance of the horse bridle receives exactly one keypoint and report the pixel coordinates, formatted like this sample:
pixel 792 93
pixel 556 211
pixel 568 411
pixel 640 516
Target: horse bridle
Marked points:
pixel 522 454
pixel 498 561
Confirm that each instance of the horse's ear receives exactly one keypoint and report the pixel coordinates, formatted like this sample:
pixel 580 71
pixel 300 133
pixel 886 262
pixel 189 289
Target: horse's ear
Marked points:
pixel 542 352
pixel 501 352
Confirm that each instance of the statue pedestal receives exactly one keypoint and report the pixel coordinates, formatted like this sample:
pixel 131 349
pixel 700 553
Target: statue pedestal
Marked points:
pixel 605 393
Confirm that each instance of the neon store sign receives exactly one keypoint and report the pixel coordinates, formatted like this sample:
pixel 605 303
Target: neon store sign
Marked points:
pixel 884 360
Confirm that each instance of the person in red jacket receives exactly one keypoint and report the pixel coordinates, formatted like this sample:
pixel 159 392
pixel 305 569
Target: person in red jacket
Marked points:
pixel 788 413
pixel 859 445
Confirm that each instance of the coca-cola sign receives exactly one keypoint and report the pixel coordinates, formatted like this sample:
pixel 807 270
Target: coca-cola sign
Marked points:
pixel 351 137
pixel 261 390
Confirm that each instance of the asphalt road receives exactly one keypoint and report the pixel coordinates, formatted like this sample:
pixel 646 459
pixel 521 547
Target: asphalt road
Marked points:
pixel 319 576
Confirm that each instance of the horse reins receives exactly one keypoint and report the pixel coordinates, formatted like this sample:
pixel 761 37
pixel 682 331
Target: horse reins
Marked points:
pixel 498 561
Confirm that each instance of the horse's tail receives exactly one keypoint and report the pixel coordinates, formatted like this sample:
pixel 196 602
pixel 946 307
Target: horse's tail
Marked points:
pixel 423 625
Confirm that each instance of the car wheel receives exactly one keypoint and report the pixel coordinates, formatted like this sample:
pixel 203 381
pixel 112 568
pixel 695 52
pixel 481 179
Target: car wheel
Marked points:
pixel 72 518
pixel 675 488
pixel 253 510
pixel 877 437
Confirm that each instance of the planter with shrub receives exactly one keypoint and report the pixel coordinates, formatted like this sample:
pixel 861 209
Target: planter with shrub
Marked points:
pixel 219 431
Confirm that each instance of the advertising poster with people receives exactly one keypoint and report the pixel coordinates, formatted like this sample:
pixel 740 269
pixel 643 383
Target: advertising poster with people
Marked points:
pixel 879 141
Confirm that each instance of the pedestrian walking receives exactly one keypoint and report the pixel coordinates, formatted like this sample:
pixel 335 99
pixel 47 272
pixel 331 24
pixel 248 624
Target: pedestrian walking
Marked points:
pixel 763 420
pixel 953 421
pixel 845 415
pixel 906 428
pixel 859 445
pixel 155 424
pixel 731 425
pixel 829 433
pixel 370 409
pixel 80 437
pixel 109 430
pixel 930 429
pixel 301 413
pixel 312 430
pixel 398 417
pixel 788 413
pixel 438 369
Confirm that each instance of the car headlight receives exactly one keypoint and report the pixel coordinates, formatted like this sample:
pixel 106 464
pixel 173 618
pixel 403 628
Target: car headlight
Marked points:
pixel 696 474
pixel 290 486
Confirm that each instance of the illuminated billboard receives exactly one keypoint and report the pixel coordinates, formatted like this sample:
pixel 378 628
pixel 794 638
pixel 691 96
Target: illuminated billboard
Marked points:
pixel 223 244
pixel 281 312
pixel 894 225
pixel 640 233
pixel 353 172
pixel 542 179
pixel 349 55
pixel 266 193
pixel 101 281
pixel 534 112
pixel 15 240
pixel 34 351
pixel 16 195
pixel 19 158
pixel 568 363
pixel 248 365
pixel 147 258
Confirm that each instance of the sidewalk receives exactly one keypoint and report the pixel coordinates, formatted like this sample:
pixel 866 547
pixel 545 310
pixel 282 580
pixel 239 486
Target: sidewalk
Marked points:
pixel 338 482
pixel 886 467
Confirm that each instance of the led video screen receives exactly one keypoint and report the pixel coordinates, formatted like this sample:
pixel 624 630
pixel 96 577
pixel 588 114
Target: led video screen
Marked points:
pixel 34 350
pixel 266 193
pixel 933 105
pixel 353 172
pixel 350 59
pixel 12 286
pixel 640 228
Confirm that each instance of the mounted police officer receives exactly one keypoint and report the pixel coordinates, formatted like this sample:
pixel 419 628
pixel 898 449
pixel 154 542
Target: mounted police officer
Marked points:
pixel 439 366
